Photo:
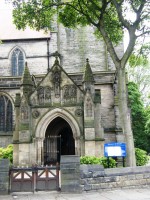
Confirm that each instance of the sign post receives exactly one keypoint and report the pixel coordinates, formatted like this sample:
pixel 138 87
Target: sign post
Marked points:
pixel 115 149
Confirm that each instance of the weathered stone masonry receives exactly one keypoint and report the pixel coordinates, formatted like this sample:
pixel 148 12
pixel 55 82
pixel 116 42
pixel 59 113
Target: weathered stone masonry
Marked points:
pixel 4 176
pixel 86 105
pixel 95 177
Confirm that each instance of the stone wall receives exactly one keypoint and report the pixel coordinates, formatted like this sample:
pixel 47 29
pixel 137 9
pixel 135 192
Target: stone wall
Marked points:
pixel 9 86
pixel 95 177
pixel 70 174
pixel 5 139
pixel 35 53
pixel 75 46
pixel 4 176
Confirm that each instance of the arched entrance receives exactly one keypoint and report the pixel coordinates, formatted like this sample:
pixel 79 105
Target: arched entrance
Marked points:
pixel 58 141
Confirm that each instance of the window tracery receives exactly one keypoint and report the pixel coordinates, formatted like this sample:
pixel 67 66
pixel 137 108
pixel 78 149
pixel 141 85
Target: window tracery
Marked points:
pixel 56 82
pixel 6 115
pixel 17 62
pixel 70 93
pixel 88 108
pixel 44 95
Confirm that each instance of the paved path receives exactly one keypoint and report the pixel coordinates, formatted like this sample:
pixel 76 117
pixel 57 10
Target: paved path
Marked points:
pixel 124 194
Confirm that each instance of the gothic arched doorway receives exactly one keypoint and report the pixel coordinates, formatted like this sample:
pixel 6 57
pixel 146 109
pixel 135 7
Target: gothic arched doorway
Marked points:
pixel 58 141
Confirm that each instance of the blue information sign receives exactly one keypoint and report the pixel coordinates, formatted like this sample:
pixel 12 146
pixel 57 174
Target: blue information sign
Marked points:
pixel 115 149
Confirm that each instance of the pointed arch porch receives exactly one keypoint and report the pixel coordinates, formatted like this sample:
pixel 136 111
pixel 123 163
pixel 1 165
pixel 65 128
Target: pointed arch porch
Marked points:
pixel 44 123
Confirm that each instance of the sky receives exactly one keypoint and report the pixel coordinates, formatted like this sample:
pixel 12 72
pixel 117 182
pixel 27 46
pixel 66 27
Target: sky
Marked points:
pixel 4 5
pixel 8 30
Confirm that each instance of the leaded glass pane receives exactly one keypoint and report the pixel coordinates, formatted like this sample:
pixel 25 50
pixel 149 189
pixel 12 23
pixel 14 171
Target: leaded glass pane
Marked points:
pixel 2 113
pixel 6 117
pixel 9 116
pixel 17 61
pixel 20 63
pixel 14 64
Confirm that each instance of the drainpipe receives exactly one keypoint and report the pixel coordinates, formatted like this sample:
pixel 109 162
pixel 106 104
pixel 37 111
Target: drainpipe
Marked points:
pixel 48 53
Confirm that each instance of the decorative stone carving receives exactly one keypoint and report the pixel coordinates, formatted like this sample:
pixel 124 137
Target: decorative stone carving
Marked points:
pixel 56 77
pixel 66 92
pixel 73 91
pixel 24 136
pixel 24 113
pixel 88 108
pixel 70 93
pixel 79 112
pixel 35 114
pixel 47 94
pixel 34 101
pixel 44 95
pixel 41 95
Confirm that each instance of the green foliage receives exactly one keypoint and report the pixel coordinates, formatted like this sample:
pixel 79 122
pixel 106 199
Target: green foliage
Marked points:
pixel 36 14
pixel 140 57
pixel 104 162
pixel 70 17
pixel 7 152
pixel 108 18
pixel 95 160
pixel 139 118
pixel 113 26
pixel 139 72
pixel 135 60
pixel 89 160
pixel 40 14
pixel 147 110
pixel 141 157
pixel 147 126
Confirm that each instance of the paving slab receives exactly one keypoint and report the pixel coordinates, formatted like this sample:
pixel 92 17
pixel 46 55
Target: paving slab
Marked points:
pixel 119 194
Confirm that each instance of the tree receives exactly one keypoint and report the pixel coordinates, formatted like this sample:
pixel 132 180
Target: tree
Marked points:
pixel 147 111
pixel 138 69
pixel 140 133
pixel 141 76
pixel 109 17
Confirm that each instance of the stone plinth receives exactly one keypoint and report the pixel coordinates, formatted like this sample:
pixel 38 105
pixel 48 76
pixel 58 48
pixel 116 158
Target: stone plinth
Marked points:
pixel 70 174
pixel 4 176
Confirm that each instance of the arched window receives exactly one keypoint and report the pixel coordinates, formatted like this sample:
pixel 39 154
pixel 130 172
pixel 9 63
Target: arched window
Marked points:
pixel 6 117
pixel 17 62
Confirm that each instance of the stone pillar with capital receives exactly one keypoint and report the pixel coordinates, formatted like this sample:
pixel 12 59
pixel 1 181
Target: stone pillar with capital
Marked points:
pixel 16 131
pixel 99 131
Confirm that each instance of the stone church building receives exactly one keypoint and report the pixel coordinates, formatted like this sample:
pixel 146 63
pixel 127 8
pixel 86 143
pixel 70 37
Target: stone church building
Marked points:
pixel 58 95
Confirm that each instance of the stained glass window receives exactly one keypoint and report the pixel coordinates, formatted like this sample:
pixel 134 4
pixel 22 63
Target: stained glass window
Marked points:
pixel 6 117
pixel 17 62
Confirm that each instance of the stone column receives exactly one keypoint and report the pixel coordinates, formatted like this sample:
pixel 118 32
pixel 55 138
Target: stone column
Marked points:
pixel 89 141
pixel 70 174
pixel 4 176
pixel 89 129
pixel 99 131
pixel 39 145
pixel 16 131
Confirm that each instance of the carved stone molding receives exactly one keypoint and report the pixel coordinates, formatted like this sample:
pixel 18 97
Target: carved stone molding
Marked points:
pixel 70 91
pixel 24 112
pixel 88 108
pixel 56 78
pixel 44 95
pixel 35 114
pixel 79 112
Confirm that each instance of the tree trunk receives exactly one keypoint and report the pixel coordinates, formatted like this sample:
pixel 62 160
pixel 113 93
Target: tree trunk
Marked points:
pixel 125 117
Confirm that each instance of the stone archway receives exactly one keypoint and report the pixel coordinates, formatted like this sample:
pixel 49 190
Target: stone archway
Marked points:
pixel 42 127
pixel 58 141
